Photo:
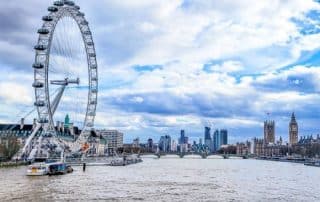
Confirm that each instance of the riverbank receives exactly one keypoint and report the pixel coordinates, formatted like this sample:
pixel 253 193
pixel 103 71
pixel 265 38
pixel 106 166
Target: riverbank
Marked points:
pixel 12 164
pixel 305 161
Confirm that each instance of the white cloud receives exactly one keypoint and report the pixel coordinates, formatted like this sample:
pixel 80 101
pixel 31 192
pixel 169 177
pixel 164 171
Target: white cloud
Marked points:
pixel 13 93
pixel 240 37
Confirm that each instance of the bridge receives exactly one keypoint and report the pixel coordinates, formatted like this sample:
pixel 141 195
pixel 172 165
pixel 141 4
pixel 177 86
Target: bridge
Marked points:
pixel 203 155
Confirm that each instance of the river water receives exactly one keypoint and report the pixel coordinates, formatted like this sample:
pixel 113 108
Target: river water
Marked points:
pixel 169 179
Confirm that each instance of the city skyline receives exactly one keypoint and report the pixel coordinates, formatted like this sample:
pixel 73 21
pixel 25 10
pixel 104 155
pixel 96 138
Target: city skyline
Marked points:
pixel 168 73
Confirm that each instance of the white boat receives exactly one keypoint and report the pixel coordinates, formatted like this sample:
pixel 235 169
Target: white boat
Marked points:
pixel 37 169
pixel 118 162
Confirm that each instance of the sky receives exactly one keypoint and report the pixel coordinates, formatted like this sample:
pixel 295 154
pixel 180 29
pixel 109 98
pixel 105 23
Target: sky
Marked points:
pixel 182 64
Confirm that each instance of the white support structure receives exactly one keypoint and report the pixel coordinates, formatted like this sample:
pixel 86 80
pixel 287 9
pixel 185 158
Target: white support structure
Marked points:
pixel 27 145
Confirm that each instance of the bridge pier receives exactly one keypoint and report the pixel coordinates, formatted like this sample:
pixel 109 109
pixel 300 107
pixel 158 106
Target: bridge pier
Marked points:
pixel 203 156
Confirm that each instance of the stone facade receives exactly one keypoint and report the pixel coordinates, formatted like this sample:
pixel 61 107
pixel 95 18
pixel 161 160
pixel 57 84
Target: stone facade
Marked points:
pixel 269 132
pixel 293 130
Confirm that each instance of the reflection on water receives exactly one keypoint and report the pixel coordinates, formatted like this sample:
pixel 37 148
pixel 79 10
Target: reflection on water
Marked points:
pixel 170 179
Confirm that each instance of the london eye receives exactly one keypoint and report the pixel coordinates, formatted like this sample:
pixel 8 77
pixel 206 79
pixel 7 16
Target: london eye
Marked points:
pixel 65 76
pixel 65 68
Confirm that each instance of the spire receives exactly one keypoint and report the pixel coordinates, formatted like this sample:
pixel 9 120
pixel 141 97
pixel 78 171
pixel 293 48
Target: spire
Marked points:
pixel 293 117
pixel 67 121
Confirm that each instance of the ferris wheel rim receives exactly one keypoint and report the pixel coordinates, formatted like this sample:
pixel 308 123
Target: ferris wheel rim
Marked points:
pixel 59 10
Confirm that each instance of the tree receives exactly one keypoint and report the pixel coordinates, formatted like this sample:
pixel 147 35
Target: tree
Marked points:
pixel 9 147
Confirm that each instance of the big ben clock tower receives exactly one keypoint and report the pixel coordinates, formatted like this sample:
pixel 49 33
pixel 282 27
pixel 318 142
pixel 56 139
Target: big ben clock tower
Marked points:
pixel 293 130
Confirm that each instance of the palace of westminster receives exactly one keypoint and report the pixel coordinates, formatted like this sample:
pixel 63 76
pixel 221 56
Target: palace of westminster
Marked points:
pixel 268 146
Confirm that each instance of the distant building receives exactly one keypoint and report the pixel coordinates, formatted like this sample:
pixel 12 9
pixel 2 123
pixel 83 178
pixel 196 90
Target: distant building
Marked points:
pixel 114 139
pixel 183 139
pixel 223 137
pixel 183 148
pixel 207 138
pixel 150 145
pixel 136 143
pixel 243 148
pixel 98 145
pixel 67 121
pixel 165 143
pixel 174 146
pixel 216 140
pixel 207 134
pixel 307 146
pixel 220 138
pixel 22 131
pixel 293 130
pixel 258 147
pixel 269 132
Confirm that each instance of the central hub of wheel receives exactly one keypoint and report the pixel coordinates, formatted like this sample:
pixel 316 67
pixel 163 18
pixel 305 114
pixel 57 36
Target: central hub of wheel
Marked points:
pixel 65 82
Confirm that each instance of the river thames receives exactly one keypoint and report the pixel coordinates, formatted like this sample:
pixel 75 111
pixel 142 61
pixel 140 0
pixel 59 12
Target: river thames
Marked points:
pixel 169 179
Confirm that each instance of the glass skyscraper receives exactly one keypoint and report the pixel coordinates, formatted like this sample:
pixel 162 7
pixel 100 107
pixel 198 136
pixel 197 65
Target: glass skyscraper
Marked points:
pixel 219 138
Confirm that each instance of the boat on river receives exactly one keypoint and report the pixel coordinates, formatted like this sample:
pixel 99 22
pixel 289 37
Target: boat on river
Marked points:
pixel 38 169
pixel 57 168
pixel 53 168
pixel 125 160
pixel 314 163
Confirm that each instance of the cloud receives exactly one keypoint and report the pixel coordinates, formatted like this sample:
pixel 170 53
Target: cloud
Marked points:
pixel 166 65
pixel 15 94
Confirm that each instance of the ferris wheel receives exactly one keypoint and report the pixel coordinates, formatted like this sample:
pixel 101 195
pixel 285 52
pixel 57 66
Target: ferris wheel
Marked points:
pixel 65 68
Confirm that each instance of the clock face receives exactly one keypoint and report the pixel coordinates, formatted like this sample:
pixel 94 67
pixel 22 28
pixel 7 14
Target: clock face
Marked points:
pixel 294 128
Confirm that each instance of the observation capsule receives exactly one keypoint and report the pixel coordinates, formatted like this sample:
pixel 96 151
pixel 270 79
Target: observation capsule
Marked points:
pixel 93 66
pixel 94 91
pixel 92 55
pixel 91 113
pixel 93 102
pixel 40 103
pixel 77 7
pixel 69 3
pixel 37 84
pixel 43 31
pixel 84 22
pixel 47 18
pixel 40 47
pixel 38 65
pixel 80 14
pixel 53 9
pixel 94 79
pixel 90 43
pixel 87 33
pixel 58 3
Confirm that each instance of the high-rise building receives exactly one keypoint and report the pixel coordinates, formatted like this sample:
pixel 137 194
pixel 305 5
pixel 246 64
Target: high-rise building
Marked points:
pixel 220 138
pixel 174 146
pixel 136 142
pixel 165 143
pixel 293 130
pixel 223 137
pixel 269 132
pixel 183 139
pixel 150 145
pixel 216 140
pixel 207 138
pixel 114 139
pixel 207 133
